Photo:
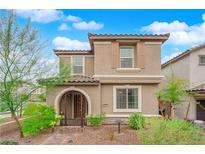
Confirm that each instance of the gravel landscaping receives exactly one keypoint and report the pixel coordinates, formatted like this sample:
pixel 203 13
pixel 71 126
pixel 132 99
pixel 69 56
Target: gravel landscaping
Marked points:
pixel 68 135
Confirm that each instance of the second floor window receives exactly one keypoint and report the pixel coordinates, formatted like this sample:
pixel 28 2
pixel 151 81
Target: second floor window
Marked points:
pixel 78 67
pixel 126 57
pixel 202 60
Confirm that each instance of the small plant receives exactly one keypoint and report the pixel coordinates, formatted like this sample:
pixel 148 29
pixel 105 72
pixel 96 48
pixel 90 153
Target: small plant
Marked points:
pixel 136 121
pixel 9 142
pixel 96 120
pixel 39 116
pixel 173 91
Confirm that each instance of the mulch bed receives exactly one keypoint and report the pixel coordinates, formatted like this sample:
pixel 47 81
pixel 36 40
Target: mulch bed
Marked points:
pixel 103 135
pixel 106 135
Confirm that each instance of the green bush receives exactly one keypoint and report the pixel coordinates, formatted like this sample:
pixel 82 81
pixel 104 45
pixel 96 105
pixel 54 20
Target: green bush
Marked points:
pixel 136 121
pixel 162 131
pixel 9 143
pixel 39 116
pixel 30 108
pixel 95 120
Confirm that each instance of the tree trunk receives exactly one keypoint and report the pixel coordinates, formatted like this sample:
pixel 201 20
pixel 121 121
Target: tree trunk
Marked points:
pixel 187 112
pixel 21 109
pixel 18 124
pixel 173 112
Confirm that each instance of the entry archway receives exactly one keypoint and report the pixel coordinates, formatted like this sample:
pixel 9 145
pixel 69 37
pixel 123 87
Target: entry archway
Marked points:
pixel 73 104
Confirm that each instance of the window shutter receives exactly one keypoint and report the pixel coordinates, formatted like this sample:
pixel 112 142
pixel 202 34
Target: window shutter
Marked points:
pixel 140 55
pixel 115 54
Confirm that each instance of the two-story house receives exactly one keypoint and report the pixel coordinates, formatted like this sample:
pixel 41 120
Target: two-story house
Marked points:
pixel 190 66
pixel 118 76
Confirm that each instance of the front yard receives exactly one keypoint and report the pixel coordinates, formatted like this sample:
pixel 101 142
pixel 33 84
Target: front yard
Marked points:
pixel 155 131
pixel 105 134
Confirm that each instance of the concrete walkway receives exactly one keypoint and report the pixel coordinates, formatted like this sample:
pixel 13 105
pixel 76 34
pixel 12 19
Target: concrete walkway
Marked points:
pixel 105 134
pixel 63 135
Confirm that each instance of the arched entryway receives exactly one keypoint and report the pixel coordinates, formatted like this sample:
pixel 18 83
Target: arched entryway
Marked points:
pixel 73 106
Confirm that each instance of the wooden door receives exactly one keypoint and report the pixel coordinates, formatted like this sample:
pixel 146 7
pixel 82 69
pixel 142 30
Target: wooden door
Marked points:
pixel 80 109
pixel 77 106
pixel 201 110
pixel 74 108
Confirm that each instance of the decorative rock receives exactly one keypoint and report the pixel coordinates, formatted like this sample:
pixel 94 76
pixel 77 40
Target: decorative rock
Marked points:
pixel 200 123
pixel 70 142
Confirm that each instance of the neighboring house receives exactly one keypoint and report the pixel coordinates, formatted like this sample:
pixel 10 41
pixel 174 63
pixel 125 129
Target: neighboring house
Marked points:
pixel 36 94
pixel 118 76
pixel 190 65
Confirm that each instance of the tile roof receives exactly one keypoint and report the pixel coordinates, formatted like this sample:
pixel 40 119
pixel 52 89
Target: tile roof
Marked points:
pixel 73 52
pixel 199 88
pixel 94 37
pixel 161 37
pixel 182 55
pixel 129 35
pixel 81 79
pixel 64 50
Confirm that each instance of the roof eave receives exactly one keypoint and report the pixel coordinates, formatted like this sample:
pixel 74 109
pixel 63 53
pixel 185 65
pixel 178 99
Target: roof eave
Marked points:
pixel 111 37
pixel 73 52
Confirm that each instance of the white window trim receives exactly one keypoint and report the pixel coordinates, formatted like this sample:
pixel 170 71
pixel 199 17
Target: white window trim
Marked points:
pixel 128 69
pixel 127 110
pixel 83 65
pixel 133 57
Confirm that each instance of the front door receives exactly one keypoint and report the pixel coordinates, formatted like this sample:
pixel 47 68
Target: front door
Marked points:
pixel 74 108
pixel 201 110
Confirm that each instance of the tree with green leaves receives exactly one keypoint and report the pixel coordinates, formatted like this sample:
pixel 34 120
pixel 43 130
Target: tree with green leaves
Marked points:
pixel 21 65
pixel 173 91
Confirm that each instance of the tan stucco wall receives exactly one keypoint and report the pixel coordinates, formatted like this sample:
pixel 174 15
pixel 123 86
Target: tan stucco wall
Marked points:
pixel 92 92
pixel 149 101
pixel 103 61
pixel 89 65
pixel 180 68
pixel 197 72
pixel 65 59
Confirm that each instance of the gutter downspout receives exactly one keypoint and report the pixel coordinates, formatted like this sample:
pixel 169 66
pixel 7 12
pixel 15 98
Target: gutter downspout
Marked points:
pixel 100 94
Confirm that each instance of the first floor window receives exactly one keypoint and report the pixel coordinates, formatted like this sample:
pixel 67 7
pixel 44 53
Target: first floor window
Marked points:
pixel 126 98
pixel 78 65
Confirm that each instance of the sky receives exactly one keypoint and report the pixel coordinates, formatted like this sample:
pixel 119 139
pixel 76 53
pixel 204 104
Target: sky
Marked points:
pixel 68 29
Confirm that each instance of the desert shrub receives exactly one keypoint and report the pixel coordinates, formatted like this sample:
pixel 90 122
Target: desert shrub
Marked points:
pixel 30 108
pixel 39 116
pixel 136 121
pixel 9 142
pixel 162 131
pixel 96 120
